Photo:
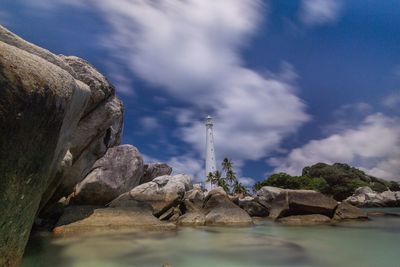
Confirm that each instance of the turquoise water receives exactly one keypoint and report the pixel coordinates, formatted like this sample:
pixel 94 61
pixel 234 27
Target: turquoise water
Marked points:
pixel 367 244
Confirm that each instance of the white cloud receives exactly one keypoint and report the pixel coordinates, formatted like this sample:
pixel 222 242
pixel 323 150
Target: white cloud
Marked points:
pixel 149 123
pixel 191 49
pixel 392 101
pixel 247 182
pixel 373 145
pixel 347 116
pixel 318 12
pixel 187 164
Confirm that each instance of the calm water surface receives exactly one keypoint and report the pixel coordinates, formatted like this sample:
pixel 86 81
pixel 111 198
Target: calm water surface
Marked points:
pixel 367 244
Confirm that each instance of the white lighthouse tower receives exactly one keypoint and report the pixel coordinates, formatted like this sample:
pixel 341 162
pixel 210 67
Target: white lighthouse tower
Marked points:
pixel 211 165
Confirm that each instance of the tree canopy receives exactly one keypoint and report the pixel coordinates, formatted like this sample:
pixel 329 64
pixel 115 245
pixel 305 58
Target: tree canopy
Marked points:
pixel 338 180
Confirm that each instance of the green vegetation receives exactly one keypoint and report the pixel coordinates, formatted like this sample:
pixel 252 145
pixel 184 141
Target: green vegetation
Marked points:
pixel 338 180
pixel 229 182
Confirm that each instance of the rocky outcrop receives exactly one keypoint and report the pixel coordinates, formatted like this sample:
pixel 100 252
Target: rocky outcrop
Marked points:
pixel 302 220
pixel 301 202
pixel 162 193
pixel 268 193
pixel 220 210
pixel 253 207
pixel 40 106
pixel 98 129
pixel 135 217
pixel 366 197
pixel 154 170
pixel 117 172
pixel 58 116
pixel 345 211
pixel 194 218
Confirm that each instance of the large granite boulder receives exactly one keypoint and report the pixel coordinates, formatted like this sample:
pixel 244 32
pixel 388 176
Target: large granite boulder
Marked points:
pixel 220 210
pixel 366 197
pixel 40 106
pixel 193 218
pixel 162 193
pixel 363 190
pixel 154 170
pixel 253 207
pixel 302 202
pixel 268 193
pixel 135 217
pixel 98 129
pixel 302 220
pixel 192 206
pixel 117 172
pixel 345 211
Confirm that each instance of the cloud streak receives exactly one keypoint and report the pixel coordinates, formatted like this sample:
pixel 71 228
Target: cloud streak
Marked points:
pixel 319 12
pixel 373 145
pixel 191 49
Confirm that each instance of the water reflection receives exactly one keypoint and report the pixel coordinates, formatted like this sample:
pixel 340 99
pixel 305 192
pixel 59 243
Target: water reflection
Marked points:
pixel 370 243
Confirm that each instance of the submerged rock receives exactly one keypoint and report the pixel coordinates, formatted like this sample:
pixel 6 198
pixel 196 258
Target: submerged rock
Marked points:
pixel 117 172
pixel 40 106
pixel 310 219
pixel 91 219
pixel 345 211
pixel 193 218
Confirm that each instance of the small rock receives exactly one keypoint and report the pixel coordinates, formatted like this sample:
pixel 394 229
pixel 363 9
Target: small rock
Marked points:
pixel 311 219
pixel 345 211
pixel 154 170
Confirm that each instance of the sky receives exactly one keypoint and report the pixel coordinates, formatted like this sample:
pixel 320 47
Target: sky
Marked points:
pixel 289 82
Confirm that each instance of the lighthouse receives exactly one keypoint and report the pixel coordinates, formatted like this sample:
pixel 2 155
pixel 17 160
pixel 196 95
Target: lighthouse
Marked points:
pixel 211 165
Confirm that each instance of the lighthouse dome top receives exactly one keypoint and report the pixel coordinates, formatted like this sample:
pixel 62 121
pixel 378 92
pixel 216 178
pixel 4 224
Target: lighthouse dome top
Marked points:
pixel 209 120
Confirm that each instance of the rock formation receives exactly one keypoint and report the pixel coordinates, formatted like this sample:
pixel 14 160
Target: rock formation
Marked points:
pixel 136 217
pixel 304 207
pixel 162 193
pixel 117 172
pixel 220 210
pixel 40 107
pixel 254 207
pixel 301 202
pixel 154 170
pixel 366 197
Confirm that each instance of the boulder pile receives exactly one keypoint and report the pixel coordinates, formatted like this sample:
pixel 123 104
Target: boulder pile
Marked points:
pixel 299 207
pixel 366 197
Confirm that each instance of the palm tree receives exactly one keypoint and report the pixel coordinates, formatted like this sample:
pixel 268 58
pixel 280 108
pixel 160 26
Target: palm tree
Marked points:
pixel 239 188
pixel 222 183
pixel 210 178
pixel 227 164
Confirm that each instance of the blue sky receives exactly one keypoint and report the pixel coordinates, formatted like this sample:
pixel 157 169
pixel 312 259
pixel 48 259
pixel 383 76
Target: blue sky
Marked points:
pixel 290 83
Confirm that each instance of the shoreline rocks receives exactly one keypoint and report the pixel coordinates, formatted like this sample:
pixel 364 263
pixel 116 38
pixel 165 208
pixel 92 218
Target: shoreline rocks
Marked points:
pixel 162 193
pixel 117 172
pixel 365 197
pixel 220 210
pixel 94 220
pixel 302 202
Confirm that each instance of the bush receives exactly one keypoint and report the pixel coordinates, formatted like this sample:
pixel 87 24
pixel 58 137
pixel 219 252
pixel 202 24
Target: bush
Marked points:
pixel 394 186
pixel 378 187
pixel 338 180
